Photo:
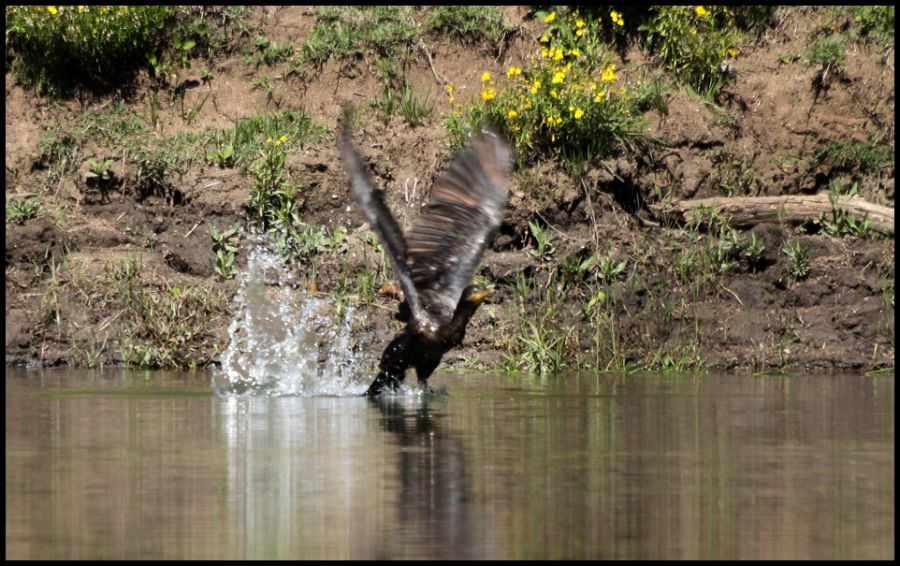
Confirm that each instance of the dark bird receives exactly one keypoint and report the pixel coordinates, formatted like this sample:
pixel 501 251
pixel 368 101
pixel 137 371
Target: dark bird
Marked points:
pixel 435 262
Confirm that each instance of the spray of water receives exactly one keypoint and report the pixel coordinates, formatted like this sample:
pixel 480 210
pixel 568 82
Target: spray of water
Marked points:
pixel 284 341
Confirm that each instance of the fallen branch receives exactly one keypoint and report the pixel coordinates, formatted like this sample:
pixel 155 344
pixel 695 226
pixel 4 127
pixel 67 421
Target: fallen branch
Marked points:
pixel 796 209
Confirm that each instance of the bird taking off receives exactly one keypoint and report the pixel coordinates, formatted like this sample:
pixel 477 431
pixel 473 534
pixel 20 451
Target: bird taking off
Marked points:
pixel 436 260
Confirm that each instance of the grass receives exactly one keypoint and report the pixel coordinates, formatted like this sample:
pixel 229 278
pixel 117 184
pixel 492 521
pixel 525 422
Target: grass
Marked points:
pixel 854 157
pixel 158 324
pixel 472 24
pixel 58 47
pixel 797 254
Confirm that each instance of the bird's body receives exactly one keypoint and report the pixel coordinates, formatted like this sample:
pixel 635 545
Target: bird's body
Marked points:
pixel 435 262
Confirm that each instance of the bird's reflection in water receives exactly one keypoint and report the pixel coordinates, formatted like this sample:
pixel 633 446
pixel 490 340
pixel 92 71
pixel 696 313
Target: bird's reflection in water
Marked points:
pixel 435 499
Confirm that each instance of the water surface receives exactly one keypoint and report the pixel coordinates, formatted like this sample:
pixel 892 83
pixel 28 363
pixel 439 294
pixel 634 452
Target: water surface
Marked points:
pixel 148 465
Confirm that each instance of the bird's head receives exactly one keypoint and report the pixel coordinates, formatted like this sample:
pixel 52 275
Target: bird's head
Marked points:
pixel 476 294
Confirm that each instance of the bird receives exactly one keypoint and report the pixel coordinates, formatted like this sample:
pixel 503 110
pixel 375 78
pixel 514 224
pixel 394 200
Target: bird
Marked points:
pixel 435 261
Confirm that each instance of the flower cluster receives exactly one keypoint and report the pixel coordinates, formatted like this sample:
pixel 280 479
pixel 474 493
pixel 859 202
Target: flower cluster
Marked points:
pixel 695 42
pixel 571 98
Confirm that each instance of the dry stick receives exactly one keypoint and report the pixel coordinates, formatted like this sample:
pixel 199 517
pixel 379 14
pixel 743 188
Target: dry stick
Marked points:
pixel 749 211
pixel 421 45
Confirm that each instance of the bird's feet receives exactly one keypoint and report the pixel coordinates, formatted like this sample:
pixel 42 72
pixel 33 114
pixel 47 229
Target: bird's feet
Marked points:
pixel 380 384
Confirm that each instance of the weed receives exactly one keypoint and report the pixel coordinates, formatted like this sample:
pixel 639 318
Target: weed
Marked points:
pixel 856 158
pixel 58 47
pixel 841 222
pixel 470 23
pixel 20 210
pixel 695 44
pixel 414 109
pixel 799 267
pixel 348 31
pixel 543 247
pixel 608 270
pixel 223 157
pixel 753 252
pixel 99 170
pixel 829 55
pixel 537 346
pixel 224 249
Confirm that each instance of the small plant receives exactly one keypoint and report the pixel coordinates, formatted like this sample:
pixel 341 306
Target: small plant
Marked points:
pixel 182 48
pixel 799 267
pixel 754 252
pixel 841 222
pixel 543 248
pixel 206 75
pixel 608 270
pixel 99 170
pixel 223 157
pixel 224 249
pixel 263 82
pixel 829 55
pixel 414 109
pixel 20 210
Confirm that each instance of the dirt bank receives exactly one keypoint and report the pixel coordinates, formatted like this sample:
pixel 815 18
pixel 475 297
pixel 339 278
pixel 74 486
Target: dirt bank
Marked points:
pixel 124 271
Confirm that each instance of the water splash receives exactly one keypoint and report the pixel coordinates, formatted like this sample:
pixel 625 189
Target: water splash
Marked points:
pixel 284 341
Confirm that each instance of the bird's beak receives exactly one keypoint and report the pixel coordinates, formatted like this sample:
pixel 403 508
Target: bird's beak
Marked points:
pixel 480 296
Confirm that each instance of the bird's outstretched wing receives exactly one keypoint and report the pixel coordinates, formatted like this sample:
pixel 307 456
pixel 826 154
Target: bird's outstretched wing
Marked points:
pixel 458 224
pixel 371 202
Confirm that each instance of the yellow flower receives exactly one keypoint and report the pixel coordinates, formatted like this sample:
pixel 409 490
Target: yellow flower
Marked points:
pixel 732 52
pixel 512 114
pixel 600 96
pixel 451 100
pixel 52 9
pixel 449 89
pixel 282 139
pixel 701 11
pixel 81 9
pixel 544 39
pixel 579 113
pixel 579 23
pixel 488 94
pixel 269 139
pixel 527 105
pixel 485 77
pixel 693 31
pixel 559 55
pixel 553 93
pixel 550 17
pixel 513 71
pixel 609 74
pixel 558 78
pixel 545 52
pixel 571 108
pixel 579 32
pixel 616 17
pixel 574 52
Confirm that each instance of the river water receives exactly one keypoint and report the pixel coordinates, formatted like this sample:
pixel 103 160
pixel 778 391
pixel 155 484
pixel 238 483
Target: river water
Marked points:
pixel 155 465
